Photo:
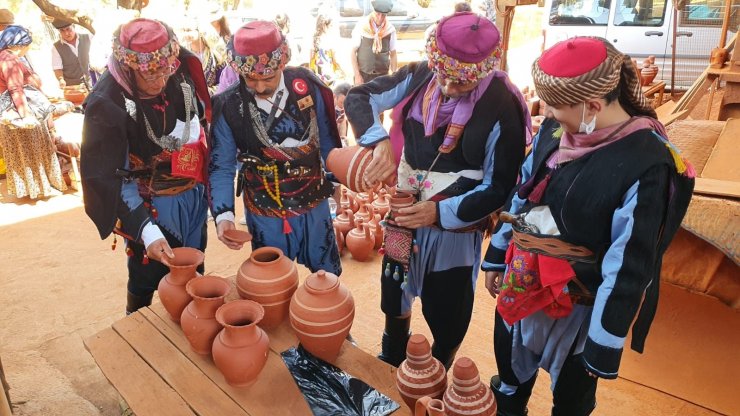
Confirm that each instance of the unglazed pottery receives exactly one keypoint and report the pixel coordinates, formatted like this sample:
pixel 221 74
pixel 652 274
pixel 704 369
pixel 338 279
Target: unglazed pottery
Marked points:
pixel 321 314
pixel 240 349
pixel 198 320
pixel 360 241
pixel 427 406
pixel 268 278
pixel 344 221
pixel 171 288
pixel 348 164
pixel 420 374
pixel 238 236
pixel 466 395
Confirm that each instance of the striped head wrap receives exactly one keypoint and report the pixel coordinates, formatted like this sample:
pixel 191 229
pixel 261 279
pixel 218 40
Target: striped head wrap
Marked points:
pixel 582 68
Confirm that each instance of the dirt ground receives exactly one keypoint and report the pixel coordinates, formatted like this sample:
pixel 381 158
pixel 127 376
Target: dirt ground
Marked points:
pixel 59 283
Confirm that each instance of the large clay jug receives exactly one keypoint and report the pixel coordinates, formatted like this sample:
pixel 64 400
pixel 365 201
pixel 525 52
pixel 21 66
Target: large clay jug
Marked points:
pixel 268 278
pixel 321 314
pixel 240 349
pixel 426 406
pixel 345 221
pixel 467 396
pixel 198 320
pixel 420 374
pixel 382 202
pixel 348 164
pixel 359 241
pixel 171 288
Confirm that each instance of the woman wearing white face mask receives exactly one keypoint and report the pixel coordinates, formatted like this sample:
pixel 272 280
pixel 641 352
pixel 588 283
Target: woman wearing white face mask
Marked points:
pixel 600 198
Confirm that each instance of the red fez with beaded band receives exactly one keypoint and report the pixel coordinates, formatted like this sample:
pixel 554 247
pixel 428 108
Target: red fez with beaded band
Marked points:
pixel 582 68
pixel 463 47
pixel 146 45
pixel 258 49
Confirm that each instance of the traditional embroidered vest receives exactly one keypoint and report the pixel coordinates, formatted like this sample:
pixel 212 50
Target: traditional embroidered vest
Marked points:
pixel 374 63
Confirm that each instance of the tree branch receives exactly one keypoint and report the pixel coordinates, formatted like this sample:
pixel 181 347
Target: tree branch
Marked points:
pixel 72 15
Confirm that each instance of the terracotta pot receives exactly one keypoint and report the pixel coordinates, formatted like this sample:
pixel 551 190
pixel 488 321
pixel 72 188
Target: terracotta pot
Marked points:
pixel 364 213
pixel 359 241
pixel 75 94
pixel 321 314
pixel 238 236
pixel 240 349
pixel 382 202
pixel 420 374
pixel 348 164
pixel 198 320
pixel 171 288
pixel 363 198
pixel 401 200
pixel 466 395
pixel 717 58
pixel 345 221
pixel 426 406
pixel 340 239
pixel 345 201
pixel 649 70
pixel 376 229
pixel 268 278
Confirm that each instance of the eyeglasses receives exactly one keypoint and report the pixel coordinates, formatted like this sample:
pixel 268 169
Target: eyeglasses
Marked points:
pixel 168 71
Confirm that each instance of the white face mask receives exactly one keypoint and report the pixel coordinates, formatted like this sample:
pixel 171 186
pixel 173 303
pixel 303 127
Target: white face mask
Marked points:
pixel 589 127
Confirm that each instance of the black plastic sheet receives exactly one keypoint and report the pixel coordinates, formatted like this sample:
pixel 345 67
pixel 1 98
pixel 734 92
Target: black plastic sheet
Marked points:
pixel 330 391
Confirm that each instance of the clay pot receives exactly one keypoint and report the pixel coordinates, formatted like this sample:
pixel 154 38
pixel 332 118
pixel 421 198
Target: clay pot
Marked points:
pixel 382 202
pixel 420 374
pixel 171 288
pixel 359 241
pixel 717 58
pixel 376 229
pixel 340 239
pixel 345 200
pixel 426 406
pixel 467 396
pixel 240 349
pixel 649 71
pixel 364 213
pixel 321 314
pixel 344 221
pixel 237 236
pixel 268 278
pixel 401 200
pixel 348 164
pixel 198 320
pixel 75 94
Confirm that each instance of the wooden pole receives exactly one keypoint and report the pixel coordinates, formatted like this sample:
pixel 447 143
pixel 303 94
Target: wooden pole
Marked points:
pixel 725 23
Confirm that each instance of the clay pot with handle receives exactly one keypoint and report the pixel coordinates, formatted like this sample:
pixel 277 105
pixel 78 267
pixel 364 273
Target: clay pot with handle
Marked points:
pixel 466 395
pixel 382 202
pixel 321 314
pixel 345 221
pixel 198 320
pixel 427 406
pixel 270 279
pixel 376 229
pixel 348 164
pixel 360 241
pixel 171 288
pixel 420 374
pixel 240 349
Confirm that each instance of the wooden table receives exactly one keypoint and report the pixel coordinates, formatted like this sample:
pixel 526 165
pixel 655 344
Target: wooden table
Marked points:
pixel 149 361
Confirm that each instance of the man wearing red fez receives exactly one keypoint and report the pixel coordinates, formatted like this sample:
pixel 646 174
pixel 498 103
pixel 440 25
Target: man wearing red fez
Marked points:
pixel 457 141
pixel 579 248
pixel 144 154
pixel 374 38
pixel 279 123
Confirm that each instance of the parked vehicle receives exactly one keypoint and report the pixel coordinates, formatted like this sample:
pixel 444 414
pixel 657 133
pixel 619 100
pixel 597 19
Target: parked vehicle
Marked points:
pixel 641 28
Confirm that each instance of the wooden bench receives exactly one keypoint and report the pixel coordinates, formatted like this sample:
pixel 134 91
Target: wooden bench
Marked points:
pixel 147 358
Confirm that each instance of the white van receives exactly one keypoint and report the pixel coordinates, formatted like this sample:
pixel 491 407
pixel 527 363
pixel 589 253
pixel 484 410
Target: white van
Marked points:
pixel 641 28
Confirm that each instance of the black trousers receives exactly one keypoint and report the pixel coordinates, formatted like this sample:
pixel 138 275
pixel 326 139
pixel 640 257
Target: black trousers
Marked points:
pixel 143 279
pixel 446 302
pixel 575 390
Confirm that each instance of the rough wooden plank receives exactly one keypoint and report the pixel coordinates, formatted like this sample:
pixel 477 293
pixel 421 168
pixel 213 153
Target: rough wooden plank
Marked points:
pixel 255 400
pixel 188 380
pixel 717 187
pixel 721 164
pixel 142 388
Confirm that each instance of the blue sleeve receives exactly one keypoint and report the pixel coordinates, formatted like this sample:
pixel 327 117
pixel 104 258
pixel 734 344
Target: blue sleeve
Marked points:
pixel 630 264
pixel 494 259
pixel 221 168
pixel 365 103
pixel 326 141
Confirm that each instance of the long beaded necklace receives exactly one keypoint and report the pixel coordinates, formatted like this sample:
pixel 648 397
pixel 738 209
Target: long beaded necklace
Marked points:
pixel 264 171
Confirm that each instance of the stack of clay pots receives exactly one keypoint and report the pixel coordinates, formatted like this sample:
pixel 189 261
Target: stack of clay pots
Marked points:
pixel 228 331
pixel 467 395
pixel 420 374
pixel 649 71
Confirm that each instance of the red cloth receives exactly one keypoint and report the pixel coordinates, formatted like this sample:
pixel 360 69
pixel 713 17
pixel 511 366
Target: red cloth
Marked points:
pixel 14 74
pixel 144 35
pixel 190 161
pixel 257 37
pixel 573 57
pixel 534 282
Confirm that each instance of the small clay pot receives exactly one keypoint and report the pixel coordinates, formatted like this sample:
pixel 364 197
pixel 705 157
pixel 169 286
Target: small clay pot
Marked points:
pixel 198 320
pixel 466 395
pixel 427 406
pixel 401 200
pixel 348 164
pixel 420 374
pixel 382 202
pixel 376 229
pixel 717 58
pixel 240 349
pixel 238 236
pixel 344 221
pixel 360 241
pixel 171 288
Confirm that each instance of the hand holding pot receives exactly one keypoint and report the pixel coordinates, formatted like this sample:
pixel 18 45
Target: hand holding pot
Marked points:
pixel 158 249
pixel 223 226
pixel 383 164
pixel 419 215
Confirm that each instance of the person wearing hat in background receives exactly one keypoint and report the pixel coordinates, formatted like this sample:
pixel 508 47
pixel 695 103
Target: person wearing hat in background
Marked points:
pixel 599 199
pixel 374 38
pixel 462 127
pixel 280 121
pixel 7 18
pixel 144 156
pixel 195 40
pixel 70 55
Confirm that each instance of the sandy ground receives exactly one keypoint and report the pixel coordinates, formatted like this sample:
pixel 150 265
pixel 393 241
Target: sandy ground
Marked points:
pixel 60 283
